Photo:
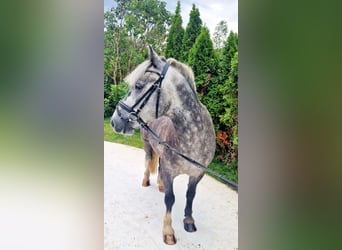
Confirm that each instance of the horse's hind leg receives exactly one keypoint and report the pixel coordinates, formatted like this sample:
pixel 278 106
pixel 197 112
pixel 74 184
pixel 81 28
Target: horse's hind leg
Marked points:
pixel 189 223
pixel 151 159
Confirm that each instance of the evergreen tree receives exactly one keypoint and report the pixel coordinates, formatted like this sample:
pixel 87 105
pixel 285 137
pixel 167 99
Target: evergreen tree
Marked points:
pixel 175 37
pixel 227 133
pixel 228 51
pixel 229 91
pixel 202 57
pixel 192 31
pixel 227 79
pixel 229 118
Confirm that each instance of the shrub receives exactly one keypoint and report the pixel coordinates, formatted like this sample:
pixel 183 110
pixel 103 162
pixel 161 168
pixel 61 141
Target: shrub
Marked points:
pixel 117 92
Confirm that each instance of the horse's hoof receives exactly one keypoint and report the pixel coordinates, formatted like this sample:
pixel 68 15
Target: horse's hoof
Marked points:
pixel 190 227
pixel 146 183
pixel 169 239
pixel 161 189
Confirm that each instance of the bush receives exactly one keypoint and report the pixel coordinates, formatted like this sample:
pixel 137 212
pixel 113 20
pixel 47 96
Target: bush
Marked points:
pixel 227 136
pixel 117 92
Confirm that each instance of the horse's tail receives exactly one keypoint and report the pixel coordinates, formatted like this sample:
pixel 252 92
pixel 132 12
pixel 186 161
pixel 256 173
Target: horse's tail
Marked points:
pixel 153 163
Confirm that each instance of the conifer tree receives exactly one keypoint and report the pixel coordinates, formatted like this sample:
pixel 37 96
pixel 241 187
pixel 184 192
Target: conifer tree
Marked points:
pixel 229 117
pixel 202 57
pixel 192 31
pixel 175 37
pixel 228 51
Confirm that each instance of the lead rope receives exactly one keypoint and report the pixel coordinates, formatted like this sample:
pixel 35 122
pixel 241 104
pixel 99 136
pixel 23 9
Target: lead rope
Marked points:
pixel 196 163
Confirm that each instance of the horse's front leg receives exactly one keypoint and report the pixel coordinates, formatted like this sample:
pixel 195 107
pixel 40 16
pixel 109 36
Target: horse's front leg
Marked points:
pixel 189 222
pixel 160 182
pixel 168 232
pixel 151 161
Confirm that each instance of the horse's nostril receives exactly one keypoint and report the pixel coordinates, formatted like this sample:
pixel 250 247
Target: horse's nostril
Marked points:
pixel 112 123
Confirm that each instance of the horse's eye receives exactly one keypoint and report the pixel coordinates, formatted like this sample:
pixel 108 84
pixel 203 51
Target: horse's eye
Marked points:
pixel 139 85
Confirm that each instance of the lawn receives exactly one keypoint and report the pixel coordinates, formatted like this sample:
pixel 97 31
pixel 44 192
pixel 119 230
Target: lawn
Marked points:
pixel 135 141
pixel 109 135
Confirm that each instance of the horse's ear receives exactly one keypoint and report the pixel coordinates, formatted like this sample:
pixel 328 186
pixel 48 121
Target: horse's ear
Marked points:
pixel 154 58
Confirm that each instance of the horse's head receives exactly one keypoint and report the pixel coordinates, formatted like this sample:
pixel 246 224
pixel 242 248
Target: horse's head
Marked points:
pixel 143 99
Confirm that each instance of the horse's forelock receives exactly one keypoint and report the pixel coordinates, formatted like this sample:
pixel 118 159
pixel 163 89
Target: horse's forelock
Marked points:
pixel 137 73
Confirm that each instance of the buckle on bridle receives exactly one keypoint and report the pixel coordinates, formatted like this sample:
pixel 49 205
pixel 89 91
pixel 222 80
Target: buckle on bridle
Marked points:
pixel 133 117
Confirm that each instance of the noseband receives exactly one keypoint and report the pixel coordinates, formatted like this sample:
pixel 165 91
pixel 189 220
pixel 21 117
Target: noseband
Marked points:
pixel 134 114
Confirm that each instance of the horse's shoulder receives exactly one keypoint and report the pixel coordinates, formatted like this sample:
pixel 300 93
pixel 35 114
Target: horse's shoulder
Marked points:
pixel 163 123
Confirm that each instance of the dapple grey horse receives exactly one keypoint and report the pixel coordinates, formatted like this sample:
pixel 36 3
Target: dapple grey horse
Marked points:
pixel 163 94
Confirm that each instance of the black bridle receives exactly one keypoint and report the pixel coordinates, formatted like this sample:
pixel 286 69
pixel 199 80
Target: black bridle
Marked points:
pixel 134 114
pixel 135 117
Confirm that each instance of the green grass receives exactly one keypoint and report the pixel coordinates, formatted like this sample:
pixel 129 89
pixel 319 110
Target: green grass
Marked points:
pixel 135 141
pixel 109 135
pixel 224 170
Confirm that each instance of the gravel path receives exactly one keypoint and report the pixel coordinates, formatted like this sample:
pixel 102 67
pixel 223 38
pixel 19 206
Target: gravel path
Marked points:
pixel 133 214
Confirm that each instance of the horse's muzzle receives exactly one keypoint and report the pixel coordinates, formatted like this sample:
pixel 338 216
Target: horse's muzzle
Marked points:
pixel 121 125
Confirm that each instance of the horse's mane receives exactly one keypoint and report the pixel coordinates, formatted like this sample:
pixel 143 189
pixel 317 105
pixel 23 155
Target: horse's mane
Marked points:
pixel 185 70
pixel 139 71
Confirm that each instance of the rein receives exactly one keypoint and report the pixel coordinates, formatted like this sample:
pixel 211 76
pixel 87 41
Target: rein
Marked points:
pixel 196 163
pixel 134 116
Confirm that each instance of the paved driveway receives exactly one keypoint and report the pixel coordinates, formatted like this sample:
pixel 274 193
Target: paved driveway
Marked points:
pixel 133 214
